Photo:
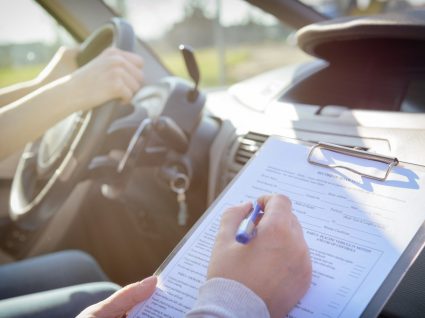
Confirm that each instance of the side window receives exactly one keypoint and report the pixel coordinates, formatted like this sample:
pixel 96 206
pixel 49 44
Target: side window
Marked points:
pixel 29 37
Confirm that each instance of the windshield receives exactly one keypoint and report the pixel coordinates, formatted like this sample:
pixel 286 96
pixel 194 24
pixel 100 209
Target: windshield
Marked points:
pixel 233 40
pixel 337 8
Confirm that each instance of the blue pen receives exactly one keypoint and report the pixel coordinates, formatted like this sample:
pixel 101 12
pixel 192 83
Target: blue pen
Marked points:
pixel 247 228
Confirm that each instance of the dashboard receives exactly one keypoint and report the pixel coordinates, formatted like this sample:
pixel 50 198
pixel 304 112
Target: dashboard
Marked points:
pixel 257 108
pixel 253 110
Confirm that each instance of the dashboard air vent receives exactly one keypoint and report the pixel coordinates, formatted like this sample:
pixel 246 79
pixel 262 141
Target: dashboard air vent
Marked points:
pixel 248 146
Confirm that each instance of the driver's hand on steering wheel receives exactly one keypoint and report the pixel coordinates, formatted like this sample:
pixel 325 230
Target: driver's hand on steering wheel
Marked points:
pixel 114 74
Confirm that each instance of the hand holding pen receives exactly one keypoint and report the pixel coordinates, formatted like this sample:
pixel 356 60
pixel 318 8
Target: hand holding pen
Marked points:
pixel 248 227
pixel 275 264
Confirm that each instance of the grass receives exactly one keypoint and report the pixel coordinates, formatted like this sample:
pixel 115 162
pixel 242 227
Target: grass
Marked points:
pixel 9 76
pixel 241 62
pixel 208 64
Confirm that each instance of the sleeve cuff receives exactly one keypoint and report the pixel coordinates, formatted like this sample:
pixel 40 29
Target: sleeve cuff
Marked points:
pixel 220 297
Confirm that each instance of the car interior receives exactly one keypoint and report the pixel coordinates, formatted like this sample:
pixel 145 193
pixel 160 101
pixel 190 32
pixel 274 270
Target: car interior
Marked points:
pixel 126 182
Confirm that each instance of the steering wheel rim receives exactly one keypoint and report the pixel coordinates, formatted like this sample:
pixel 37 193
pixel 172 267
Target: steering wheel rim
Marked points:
pixel 31 203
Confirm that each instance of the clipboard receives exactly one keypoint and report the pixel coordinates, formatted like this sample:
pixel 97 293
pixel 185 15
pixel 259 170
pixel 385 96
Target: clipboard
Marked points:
pixel 389 161
pixel 404 262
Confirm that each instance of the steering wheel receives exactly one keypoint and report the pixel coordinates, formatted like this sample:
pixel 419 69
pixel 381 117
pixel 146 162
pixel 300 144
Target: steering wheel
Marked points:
pixel 50 167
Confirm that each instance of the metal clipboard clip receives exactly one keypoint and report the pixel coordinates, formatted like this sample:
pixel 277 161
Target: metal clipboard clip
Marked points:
pixel 390 161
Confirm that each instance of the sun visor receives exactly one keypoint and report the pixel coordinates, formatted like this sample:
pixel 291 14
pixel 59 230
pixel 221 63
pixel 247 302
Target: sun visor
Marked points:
pixel 394 38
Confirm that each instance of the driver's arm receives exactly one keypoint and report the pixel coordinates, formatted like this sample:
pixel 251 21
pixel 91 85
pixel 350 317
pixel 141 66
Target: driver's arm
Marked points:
pixel 114 74
pixel 62 63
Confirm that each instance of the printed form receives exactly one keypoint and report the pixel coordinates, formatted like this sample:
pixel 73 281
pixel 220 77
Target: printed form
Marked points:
pixel 356 229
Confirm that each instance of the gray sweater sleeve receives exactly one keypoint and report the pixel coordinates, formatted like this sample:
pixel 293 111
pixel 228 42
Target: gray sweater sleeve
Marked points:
pixel 226 298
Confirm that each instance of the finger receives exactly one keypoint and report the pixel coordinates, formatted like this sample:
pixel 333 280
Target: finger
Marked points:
pixel 124 93
pixel 130 82
pixel 123 86
pixel 119 62
pixel 133 70
pixel 277 208
pixel 275 203
pixel 126 298
pixel 232 218
pixel 133 58
pixel 127 61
